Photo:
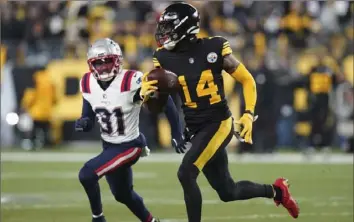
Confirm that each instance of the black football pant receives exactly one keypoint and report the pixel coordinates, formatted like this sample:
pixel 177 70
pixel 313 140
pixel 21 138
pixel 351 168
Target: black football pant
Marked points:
pixel 208 154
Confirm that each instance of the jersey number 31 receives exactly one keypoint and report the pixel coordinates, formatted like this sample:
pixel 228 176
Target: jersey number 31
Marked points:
pixel 205 87
pixel 107 120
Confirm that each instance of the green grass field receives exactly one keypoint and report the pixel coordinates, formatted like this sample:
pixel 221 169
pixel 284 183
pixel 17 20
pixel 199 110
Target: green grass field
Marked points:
pixel 50 192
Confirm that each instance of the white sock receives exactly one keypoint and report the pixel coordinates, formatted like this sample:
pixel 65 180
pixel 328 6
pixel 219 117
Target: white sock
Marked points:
pixel 97 216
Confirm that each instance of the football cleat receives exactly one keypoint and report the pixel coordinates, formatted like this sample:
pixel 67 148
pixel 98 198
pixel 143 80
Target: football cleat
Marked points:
pixel 287 200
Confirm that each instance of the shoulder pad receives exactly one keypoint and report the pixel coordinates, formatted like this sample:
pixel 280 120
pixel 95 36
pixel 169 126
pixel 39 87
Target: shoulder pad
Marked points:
pixel 223 44
pixel 127 83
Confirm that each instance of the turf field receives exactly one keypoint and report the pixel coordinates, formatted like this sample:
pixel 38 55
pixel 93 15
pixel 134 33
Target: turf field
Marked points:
pixel 44 188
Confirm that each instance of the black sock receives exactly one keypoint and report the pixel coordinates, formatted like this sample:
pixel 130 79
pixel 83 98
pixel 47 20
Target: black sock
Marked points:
pixel 192 194
pixel 244 190
pixel 89 181
pixel 278 193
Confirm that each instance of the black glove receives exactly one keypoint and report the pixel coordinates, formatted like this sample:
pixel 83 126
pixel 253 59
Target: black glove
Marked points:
pixel 84 124
pixel 181 144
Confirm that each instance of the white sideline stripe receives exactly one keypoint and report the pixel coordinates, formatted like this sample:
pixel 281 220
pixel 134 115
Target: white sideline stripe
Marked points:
pixel 117 162
pixel 175 158
pixel 62 175
pixel 76 198
pixel 260 216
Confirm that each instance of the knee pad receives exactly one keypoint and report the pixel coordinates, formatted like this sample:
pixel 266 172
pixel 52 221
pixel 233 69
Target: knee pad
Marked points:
pixel 87 175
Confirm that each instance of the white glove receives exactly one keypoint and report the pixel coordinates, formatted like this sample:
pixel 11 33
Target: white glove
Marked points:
pixel 145 152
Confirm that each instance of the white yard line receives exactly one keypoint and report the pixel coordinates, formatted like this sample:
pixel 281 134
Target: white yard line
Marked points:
pixel 62 175
pixel 261 217
pixel 77 198
pixel 174 158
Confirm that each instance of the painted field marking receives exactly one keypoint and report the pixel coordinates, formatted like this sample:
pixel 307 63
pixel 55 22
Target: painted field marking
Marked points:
pixel 174 158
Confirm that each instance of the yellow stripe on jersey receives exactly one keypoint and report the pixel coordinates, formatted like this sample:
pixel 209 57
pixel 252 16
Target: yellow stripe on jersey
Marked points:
pixel 226 44
pixel 215 143
pixel 156 62
pixel 226 49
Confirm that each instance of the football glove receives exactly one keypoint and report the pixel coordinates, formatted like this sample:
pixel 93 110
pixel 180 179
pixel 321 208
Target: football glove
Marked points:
pixel 83 124
pixel 244 126
pixel 182 145
pixel 147 88
pixel 145 152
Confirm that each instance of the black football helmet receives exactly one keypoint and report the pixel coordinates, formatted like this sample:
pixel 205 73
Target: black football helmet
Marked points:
pixel 175 23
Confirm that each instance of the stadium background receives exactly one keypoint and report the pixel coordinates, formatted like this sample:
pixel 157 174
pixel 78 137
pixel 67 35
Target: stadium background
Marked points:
pixel 43 49
pixel 43 56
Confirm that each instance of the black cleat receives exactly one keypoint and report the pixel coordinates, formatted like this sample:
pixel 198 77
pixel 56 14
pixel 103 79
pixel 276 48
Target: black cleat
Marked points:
pixel 99 219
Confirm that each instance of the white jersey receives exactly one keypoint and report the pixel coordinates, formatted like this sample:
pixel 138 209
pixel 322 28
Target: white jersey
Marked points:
pixel 115 110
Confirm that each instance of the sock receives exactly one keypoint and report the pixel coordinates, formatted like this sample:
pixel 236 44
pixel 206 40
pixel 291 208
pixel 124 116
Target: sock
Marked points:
pixel 192 194
pixel 244 190
pixel 94 195
pixel 89 181
pixel 136 205
pixel 278 194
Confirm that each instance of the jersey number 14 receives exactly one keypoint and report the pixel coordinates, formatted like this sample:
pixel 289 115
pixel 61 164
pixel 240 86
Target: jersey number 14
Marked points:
pixel 205 87
pixel 107 120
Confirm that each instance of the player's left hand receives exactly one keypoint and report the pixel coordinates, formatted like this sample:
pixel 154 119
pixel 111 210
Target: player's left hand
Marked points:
pixel 180 145
pixel 83 124
pixel 147 87
pixel 245 124
pixel 145 151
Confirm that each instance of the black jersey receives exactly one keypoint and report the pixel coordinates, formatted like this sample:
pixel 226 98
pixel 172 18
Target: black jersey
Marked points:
pixel 199 71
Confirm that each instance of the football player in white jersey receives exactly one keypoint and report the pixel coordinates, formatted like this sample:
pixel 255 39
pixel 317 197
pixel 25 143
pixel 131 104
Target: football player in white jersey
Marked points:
pixel 112 94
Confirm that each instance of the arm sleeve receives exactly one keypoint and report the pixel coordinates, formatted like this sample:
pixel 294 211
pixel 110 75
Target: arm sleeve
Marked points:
pixel 155 60
pixel 242 75
pixel 87 110
pixel 173 118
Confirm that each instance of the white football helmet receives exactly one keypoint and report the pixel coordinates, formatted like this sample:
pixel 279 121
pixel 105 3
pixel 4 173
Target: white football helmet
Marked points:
pixel 105 59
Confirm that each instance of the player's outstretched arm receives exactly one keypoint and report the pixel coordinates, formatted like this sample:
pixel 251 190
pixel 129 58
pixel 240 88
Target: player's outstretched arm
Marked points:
pixel 175 123
pixel 237 70
pixel 86 121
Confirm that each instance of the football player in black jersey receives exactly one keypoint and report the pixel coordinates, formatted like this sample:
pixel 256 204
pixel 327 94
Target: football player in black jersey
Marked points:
pixel 199 64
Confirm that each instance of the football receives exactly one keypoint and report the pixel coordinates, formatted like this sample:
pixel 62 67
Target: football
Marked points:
pixel 167 83
pixel 167 80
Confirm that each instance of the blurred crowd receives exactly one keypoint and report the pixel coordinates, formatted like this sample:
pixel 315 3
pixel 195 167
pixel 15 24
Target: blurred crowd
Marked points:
pixel 275 40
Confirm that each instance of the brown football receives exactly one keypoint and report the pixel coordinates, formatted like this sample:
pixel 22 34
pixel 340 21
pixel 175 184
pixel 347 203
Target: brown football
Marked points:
pixel 167 80
pixel 167 83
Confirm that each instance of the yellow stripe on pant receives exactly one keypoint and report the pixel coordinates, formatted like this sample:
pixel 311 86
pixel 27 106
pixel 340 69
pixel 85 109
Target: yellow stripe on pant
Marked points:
pixel 215 143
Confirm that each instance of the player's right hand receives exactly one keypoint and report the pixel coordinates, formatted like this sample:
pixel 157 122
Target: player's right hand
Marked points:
pixel 244 130
pixel 145 151
pixel 83 124
pixel 147 87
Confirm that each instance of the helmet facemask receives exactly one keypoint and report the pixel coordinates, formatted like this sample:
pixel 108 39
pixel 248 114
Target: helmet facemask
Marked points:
pixel 178 21
pixel 166 34
pixel 106 67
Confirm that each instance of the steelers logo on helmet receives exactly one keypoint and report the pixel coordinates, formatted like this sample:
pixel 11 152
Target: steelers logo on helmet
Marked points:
pixel 212 57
